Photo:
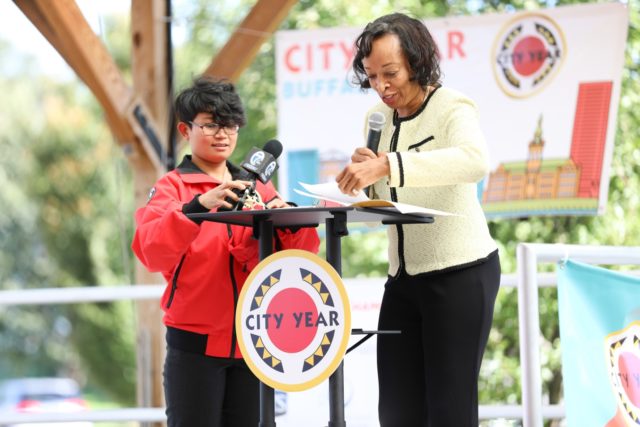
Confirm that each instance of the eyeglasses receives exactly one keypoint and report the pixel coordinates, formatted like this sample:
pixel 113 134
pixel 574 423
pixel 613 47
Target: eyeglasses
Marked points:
pixel 212 129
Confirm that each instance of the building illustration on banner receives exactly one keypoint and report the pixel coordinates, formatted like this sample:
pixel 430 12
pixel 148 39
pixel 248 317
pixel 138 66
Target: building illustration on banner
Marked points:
pixel 562 186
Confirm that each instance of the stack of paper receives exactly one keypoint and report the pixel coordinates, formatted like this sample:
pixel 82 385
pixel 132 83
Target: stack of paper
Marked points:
pixel 329 191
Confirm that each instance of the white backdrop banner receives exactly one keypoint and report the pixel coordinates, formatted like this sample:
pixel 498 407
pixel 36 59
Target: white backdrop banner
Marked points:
pixel 547 84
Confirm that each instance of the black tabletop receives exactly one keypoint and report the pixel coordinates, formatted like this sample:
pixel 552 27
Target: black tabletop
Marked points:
pixel 313 216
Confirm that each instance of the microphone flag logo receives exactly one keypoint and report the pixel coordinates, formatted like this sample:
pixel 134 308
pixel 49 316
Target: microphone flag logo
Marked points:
pixel 270 169
pixel 293 320
pixel 257 158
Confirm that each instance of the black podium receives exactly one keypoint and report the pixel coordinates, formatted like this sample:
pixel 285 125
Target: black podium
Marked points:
pixel 335 218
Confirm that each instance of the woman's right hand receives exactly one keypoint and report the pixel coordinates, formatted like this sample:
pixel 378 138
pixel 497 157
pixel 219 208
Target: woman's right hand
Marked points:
pixel 215 197
pixel 363 171
pixel 362 154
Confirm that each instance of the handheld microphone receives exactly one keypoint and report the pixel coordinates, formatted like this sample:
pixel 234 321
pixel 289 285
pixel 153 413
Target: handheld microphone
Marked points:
pixel 376 123
pixel 257 164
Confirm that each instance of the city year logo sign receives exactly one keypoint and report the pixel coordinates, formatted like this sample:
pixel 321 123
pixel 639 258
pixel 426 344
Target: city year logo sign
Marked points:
pixel 527 54
pixel 293 320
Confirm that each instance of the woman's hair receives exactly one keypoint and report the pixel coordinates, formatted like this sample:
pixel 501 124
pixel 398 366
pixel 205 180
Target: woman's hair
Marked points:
pixel 210 95
pixel 417 44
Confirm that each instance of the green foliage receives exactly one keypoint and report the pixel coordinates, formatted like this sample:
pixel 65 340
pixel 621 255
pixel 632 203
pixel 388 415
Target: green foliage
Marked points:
pixel 77 194
pixel 62 182
pixel 28 337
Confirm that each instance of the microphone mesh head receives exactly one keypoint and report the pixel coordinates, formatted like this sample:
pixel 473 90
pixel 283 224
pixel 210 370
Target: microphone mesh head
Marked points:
pixel 376 121
pixel 273 147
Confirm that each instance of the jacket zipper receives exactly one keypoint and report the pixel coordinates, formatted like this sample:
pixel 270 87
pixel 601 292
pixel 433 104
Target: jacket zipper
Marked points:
pixel 174 281
pixel 234 286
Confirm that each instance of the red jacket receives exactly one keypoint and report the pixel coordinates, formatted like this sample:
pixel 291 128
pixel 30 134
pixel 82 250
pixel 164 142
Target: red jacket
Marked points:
pixel 205 265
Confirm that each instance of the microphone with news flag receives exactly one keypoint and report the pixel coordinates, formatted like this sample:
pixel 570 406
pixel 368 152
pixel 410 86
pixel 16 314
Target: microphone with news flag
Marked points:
pixel 258 164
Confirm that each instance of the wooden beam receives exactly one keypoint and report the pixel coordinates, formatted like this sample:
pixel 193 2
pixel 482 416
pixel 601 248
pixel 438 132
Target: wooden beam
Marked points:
pixel 64 26
pixel 150 70
pixel 150 59
pixel 238 53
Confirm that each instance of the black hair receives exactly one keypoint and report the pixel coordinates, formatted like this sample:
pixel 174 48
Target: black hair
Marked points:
pixel 417 44
pixel 210 95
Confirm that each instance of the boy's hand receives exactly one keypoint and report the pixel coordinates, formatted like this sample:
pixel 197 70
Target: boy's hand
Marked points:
pixel 277 203
pixel 215 197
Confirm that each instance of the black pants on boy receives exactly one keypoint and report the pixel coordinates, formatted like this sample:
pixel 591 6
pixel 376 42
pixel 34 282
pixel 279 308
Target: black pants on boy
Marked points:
pixel 428 374
pixel 203 391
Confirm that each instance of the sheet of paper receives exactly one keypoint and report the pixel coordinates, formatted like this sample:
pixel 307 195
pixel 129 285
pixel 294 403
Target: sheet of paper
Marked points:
pixel 315 196
pixel 330 192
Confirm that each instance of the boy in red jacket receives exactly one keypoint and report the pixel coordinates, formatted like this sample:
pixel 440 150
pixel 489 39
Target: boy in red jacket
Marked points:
pixel 205 264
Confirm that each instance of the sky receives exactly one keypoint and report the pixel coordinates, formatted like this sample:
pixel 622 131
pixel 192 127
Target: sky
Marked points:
pixel 24 38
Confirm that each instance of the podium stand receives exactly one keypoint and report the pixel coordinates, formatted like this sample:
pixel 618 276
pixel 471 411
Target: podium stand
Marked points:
pixel 335 218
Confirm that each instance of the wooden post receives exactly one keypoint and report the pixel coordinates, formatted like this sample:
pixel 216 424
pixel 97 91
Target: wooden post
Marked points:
pixel 151 71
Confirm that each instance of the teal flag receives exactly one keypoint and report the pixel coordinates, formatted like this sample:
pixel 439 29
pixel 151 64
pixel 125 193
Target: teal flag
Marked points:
pixel 600 342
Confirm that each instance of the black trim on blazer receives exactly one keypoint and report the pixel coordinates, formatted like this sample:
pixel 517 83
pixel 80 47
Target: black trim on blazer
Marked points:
pixel 418 144
pixel 397 120
pixel 401 169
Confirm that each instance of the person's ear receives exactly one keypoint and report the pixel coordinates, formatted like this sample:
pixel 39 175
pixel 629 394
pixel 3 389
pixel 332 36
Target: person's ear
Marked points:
pixel 184 129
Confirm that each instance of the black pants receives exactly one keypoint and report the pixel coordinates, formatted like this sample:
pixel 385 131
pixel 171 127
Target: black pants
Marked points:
pixel 204 391
pixel 428 374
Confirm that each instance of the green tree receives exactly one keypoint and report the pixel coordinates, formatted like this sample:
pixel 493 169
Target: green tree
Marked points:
pixel 67 224
pixel 28 337
pixel 78 190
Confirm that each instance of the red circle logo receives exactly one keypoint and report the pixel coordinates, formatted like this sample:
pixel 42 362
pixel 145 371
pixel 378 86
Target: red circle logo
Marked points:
pixel 298 315
pixel 529 55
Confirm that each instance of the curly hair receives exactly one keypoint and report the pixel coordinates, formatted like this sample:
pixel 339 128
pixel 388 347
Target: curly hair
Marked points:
pixel 417 44
pixel 210 95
